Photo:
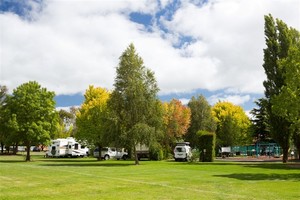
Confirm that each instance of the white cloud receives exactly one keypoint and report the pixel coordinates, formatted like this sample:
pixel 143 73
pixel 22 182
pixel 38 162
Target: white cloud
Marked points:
pixel 184 101
pixel 235 99
pixel 231 31
pixel 71 44
pixel 66 108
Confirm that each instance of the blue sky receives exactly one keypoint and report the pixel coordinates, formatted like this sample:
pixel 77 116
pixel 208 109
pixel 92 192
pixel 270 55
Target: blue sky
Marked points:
pixel 208 47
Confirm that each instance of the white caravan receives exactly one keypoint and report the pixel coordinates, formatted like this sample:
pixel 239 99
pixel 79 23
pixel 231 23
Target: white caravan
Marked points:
pixel 66 147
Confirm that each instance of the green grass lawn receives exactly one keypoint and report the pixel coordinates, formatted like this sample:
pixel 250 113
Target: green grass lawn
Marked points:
pixel 86 178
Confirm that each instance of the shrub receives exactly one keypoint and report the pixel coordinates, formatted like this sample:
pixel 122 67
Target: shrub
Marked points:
pixel 156 152
pixel 206 145
pixel 195 155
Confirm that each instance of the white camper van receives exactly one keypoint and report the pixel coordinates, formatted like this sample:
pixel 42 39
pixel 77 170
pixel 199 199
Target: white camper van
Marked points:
pixel 182 151
pixel 66 147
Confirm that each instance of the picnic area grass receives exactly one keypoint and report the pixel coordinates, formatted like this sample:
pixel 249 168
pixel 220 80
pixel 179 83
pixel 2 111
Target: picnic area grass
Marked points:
pixel 86 178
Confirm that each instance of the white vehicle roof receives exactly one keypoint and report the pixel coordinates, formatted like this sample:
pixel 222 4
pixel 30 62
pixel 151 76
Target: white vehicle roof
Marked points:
pixel 182 144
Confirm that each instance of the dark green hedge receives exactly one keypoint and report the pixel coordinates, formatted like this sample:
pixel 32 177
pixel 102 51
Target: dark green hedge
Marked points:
pixel 156 152
pixel 206 145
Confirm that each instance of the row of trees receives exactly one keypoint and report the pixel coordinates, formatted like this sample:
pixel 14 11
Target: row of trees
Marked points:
pixel 278 113
pixel 131 114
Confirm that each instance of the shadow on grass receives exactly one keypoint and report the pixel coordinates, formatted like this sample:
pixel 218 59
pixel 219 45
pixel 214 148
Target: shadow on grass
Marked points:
pixel 261 177
pixel 95 164
pixel 74 162
pixel 12 161
pixel 282 166
pixel 261 165
pixel 84 163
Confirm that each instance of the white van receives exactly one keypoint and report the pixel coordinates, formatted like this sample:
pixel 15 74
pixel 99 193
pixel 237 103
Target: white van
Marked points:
pixel 182 151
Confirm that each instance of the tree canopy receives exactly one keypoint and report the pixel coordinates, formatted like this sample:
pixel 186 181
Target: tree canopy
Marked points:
pixel 3 134
pixel 92 116
pixel 201 119
pixel 286 104
pixel 32 109
pixel 260 122
pixel 134 102
pixel 278 64
pixel 176 121
pixel 232 124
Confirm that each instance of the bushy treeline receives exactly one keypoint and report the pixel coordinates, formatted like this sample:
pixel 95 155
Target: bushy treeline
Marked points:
pixel 129 115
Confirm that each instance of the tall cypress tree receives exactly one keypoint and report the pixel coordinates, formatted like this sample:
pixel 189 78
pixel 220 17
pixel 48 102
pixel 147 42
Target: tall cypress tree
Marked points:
pixel 278 41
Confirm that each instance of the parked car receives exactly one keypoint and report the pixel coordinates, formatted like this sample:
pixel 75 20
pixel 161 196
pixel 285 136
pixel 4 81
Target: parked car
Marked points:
pixel 38 149
pixel 182 151
pixel 111 152
pixel 121 154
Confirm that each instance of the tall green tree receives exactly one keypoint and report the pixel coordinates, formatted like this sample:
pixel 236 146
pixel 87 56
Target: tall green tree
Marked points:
pixel 91 118
pixel 287 103
pixel 8 125
pixel 3 95
pixel 32 108
pixel 134 103
pixel 232 124
pixel 201 119
pixel 278 39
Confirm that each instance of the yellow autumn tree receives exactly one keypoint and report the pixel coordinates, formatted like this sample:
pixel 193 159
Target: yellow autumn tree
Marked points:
pixel 232 124
pixel 92 116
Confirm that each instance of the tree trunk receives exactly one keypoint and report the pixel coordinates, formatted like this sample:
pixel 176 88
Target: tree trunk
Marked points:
pixel 15 149
pixel 285 155
pixel 99 156
pixel 136 156
pixel 28 153
pixel 298 152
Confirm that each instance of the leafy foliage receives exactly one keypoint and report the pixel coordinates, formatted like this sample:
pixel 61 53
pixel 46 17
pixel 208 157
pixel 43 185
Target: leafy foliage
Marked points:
pixel 201 119
pixel 287 103
pixel 91 118
pixel 176 120
pixel 261 129
pixel 32 114
pixel 206 145
pixel 134 104
pixel 232 124
pixel 3 134
pixel 279 39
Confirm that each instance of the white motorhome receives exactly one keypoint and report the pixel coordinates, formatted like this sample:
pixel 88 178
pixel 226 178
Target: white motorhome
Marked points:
pixel 66 147
pixel 182 151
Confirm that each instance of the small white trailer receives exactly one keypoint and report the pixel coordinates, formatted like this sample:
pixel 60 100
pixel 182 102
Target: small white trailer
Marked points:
pixel 66 147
